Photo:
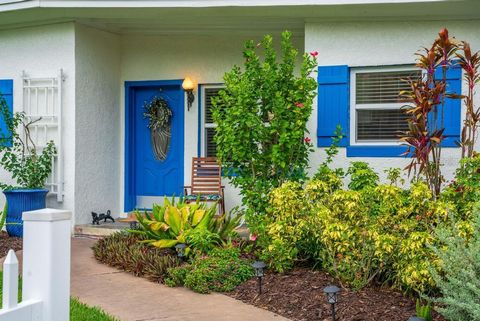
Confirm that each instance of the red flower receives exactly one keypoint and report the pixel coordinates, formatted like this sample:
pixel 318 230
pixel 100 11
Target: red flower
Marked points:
pixel 299 105
pixel 307 140
pixel 314 53
pixel 253 237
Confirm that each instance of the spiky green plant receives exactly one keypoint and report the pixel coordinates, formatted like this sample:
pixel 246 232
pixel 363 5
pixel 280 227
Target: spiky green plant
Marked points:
pixel 171 223
pixel 423 310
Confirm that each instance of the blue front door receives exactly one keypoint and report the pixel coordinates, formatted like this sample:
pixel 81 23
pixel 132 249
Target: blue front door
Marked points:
pixel 146 175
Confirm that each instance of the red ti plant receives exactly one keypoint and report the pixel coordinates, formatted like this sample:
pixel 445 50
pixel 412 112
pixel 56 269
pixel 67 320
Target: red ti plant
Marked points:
pixel 426 119
pixel 470 64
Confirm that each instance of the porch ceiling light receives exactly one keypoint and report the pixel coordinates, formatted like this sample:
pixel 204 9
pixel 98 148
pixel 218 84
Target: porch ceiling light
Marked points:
pixel 188 85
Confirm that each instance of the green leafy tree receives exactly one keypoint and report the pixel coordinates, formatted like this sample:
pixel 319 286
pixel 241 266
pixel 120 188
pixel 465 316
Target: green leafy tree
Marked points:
pixel 261 118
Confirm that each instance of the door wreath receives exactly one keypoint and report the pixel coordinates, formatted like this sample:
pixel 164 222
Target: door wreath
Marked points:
pixel 159 117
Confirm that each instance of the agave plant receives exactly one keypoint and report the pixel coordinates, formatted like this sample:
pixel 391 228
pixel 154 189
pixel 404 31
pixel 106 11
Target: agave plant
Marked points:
pixel 170 224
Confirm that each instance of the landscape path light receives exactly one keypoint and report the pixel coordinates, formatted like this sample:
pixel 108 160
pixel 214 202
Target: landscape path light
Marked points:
pixel 259 267
pixel 180 248
pixel 331 292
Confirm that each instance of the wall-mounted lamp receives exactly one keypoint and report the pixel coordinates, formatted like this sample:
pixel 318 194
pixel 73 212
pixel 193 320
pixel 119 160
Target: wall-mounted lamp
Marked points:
pixel 189 86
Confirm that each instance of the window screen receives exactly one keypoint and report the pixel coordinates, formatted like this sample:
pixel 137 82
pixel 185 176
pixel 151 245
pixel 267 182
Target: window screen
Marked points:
pixel 378 105
pixel 209 146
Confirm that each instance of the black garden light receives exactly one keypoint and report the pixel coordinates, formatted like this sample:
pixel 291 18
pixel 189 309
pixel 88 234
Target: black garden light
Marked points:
pixel 331 292
pixel 416 319
pixel 180 248
pixel 259 267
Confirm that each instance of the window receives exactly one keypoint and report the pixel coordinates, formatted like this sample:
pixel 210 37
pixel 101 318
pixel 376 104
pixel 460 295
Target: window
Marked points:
pixel 209 146
pixel 376 115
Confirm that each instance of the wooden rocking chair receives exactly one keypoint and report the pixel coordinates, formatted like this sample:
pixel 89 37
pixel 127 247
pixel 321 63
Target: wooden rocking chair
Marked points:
pixel 206 182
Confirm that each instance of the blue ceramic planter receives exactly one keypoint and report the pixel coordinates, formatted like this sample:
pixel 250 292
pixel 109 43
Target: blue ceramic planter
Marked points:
pixel 19 201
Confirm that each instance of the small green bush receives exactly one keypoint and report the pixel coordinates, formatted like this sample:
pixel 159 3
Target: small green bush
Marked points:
pixel 221 271
pixel 125 251
pixel 458 278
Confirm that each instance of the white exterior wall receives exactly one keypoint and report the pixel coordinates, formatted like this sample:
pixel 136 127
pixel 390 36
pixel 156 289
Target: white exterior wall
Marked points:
pixel 361 44
pixel 203 58
pixel 97 63
pixel 41 52
pixel 97 116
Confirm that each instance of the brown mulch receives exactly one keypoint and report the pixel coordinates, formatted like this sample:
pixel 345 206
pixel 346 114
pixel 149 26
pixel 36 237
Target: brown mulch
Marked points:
pixel 7 243
pixel 299 296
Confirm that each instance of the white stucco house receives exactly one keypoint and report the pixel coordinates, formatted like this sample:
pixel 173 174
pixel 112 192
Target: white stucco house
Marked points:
pixel 87 66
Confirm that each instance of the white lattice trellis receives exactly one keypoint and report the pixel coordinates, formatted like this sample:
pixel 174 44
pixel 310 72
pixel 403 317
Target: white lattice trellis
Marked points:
pixel 42 101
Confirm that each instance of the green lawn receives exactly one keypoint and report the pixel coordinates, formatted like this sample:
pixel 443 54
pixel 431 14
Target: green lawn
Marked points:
pixel 78 310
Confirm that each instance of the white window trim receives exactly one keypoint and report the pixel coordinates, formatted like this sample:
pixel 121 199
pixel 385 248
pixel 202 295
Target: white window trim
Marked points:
pixel 204 124
pixel 353 107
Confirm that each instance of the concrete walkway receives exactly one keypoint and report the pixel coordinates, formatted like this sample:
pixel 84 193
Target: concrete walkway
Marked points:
pixel 131 298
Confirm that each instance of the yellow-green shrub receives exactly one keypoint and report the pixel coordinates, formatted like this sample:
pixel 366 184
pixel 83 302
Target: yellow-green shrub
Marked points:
pixel 377 233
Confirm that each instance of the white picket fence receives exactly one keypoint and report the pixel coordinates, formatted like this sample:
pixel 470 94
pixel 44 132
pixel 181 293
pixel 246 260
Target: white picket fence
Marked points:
pixel 46 269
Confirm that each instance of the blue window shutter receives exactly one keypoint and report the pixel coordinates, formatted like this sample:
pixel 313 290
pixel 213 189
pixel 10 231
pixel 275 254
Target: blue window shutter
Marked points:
pixel 6 91
pixel 453 107
pixel 333 104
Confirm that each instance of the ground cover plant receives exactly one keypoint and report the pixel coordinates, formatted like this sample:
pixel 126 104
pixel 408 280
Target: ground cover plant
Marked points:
pixel 126 251
pixel 78 310
pixel 218 269
pixel 221 270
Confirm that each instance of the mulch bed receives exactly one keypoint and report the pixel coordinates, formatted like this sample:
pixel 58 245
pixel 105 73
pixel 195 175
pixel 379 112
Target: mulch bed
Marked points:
pixel 7 243
pixel 299 296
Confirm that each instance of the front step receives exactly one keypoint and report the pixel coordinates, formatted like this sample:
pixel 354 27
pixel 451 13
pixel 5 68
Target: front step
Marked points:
pixel 101 230
pixel 106 229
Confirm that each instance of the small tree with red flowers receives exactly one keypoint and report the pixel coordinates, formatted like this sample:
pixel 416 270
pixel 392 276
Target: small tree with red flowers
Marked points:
pixel 261 118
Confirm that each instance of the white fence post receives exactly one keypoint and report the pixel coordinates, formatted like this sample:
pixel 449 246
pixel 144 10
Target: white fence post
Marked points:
pixel 46 261
pixel 10 281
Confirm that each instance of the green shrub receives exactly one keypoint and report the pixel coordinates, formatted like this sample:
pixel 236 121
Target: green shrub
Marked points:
pixel 261 118
pixel 458 276
pixel 377 233
pixel 125 251
pixel 361 176
pixel 464 191
pixel 221 271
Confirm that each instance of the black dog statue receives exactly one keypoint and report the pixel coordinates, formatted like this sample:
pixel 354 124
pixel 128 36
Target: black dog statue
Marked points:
pixel 96 218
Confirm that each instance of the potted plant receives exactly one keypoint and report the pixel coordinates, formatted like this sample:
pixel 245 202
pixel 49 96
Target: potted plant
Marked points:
pixel 28 164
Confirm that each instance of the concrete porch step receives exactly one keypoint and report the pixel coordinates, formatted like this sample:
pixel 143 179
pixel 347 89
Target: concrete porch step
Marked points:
pixel 106 229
